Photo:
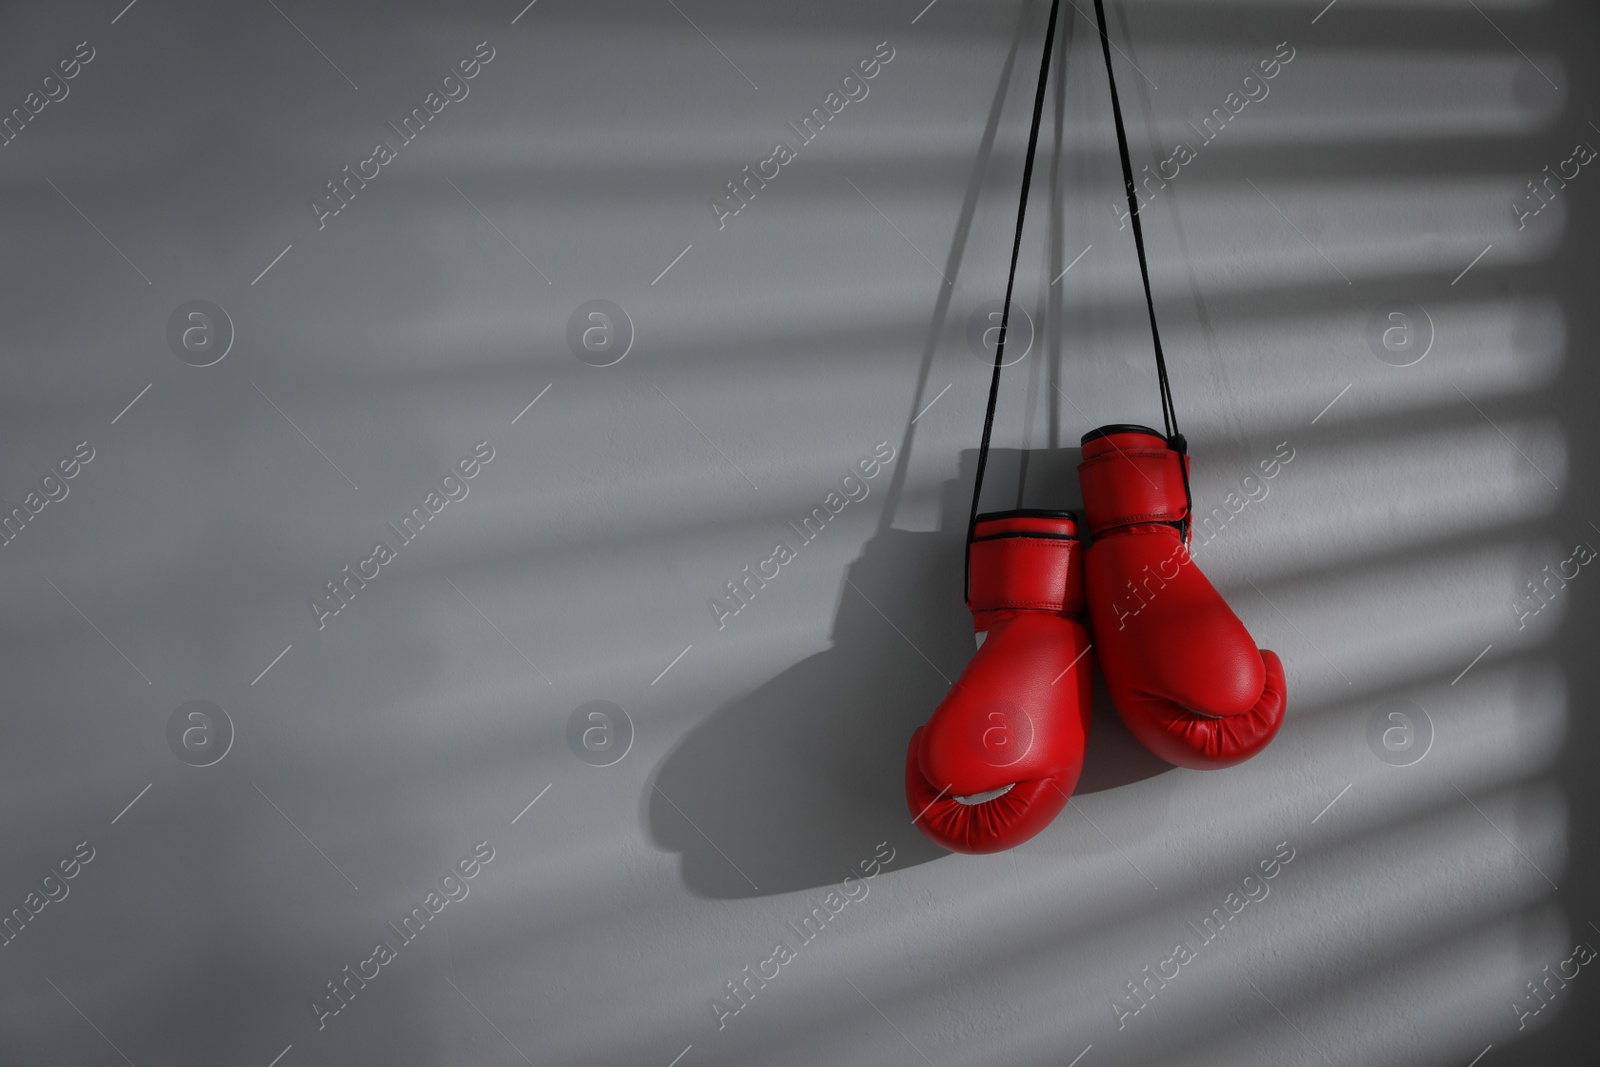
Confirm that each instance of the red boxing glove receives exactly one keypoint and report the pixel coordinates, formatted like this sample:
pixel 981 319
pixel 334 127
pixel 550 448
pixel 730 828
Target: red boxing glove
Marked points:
pixel 1002 753
pixel 1181 668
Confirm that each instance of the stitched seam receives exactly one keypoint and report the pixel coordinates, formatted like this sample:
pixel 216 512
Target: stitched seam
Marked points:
pixel 1126 453
pixel 1134 520
pixel 1001 605
pixel 1059 542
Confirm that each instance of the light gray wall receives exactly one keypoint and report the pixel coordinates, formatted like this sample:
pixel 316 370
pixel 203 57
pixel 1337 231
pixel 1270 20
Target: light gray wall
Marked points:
pixel 768 356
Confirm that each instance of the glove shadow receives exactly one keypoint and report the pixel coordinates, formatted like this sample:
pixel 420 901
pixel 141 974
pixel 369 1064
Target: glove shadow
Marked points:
pixel 793 785
pixel 1114 757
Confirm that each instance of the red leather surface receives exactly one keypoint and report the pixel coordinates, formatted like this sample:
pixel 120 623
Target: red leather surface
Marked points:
pixel 1131 477
pixel 1018 715
pixel 1010 571
pixel 1182 670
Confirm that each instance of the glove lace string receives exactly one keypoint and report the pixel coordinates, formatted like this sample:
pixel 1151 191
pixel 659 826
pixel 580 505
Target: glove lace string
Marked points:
pixel 1011 279
pixel 1169 415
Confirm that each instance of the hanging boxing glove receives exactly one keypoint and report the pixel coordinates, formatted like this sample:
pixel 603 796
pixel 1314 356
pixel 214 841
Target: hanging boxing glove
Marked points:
pixel 1001 755
pixel 1182 670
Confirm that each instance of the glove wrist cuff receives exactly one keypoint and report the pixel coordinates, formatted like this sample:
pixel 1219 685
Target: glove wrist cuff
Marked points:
pixel 1024 561
pixel 1128 476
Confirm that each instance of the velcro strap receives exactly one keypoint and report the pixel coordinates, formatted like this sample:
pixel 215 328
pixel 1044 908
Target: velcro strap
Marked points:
pixel 1018 572
pixel 1128 485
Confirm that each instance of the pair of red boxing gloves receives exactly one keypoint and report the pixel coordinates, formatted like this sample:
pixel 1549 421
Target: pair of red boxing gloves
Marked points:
pixel 1000 757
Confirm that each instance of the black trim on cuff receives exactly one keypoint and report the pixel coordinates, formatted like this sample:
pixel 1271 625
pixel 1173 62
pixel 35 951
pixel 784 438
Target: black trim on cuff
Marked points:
pixel 1027 513
pixel 1024 535
pixel 1119 427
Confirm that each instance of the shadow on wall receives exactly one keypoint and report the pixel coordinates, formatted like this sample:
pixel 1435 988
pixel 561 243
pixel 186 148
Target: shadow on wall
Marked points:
pixel 799 780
